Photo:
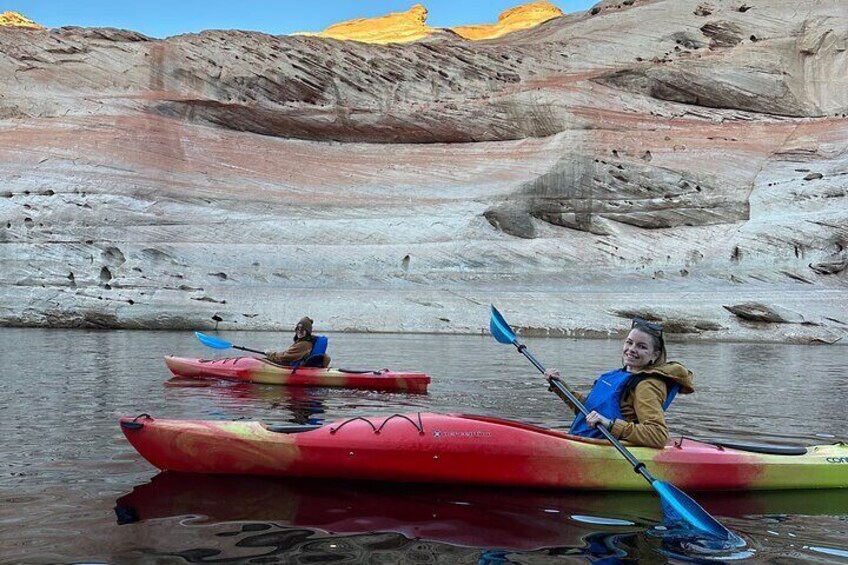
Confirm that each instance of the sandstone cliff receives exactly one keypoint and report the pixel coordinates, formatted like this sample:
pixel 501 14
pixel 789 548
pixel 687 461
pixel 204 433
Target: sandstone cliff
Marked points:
pixel 681 160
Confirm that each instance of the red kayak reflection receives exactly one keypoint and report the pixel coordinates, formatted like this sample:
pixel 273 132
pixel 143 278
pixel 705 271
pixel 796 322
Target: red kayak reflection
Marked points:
pixel 468 517
pixel 305 406
pixel 519 520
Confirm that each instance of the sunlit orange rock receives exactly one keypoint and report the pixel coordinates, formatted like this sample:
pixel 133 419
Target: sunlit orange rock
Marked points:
pixel 405 27
pixel 514 19
pixel 14 19
pixel 397 27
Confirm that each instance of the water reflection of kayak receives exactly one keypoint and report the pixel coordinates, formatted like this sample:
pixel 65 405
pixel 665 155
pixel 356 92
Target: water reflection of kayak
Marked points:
pixel 305 405
pixel 467 517
pixel 474 517
pixel 452 449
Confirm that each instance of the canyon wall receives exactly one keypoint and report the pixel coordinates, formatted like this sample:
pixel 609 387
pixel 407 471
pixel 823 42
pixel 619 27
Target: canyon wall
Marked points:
pixel 685 161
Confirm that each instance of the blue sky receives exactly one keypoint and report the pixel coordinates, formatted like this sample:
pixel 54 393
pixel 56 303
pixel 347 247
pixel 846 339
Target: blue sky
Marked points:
pixel 160 18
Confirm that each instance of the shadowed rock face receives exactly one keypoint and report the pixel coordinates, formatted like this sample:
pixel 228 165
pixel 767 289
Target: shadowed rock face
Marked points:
pixel 582 195
pixel 788 76
pixel 569 173
pixel 316 89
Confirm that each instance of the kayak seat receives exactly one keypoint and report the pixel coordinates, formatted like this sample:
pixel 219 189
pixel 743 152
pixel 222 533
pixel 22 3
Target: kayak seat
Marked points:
pixel 759 448
pixel 291 428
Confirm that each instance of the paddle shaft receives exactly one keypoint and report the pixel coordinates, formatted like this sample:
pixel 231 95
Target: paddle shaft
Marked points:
pixel 248 349
pixel 638 466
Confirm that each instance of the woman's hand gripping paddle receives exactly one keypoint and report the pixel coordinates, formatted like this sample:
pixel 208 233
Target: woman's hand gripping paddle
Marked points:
pixel 678 508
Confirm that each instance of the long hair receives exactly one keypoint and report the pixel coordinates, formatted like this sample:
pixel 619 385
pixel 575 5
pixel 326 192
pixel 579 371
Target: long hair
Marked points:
pixel 659 345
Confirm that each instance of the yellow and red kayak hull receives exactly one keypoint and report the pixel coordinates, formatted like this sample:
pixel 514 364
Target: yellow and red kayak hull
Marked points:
pixel 261 371
pixel 461 449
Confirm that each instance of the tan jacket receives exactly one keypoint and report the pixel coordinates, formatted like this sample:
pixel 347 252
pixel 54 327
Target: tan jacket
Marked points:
pixel 641 406
pixel 298 351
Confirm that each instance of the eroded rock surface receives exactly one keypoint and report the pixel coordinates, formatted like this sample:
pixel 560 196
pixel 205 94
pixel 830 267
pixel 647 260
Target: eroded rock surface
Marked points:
pixel 571 173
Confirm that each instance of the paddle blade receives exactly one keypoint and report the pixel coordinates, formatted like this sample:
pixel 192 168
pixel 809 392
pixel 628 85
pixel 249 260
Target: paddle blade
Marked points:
pixel 500 329
pixel 213 342
pixel 683 512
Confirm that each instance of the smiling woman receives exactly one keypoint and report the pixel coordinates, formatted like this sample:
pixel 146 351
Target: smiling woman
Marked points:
pixel 631 401
pixel 686 518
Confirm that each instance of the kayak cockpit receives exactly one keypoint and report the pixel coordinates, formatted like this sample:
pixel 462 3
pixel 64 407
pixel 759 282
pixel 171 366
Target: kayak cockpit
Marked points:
pixel 758 448
pixel 291 428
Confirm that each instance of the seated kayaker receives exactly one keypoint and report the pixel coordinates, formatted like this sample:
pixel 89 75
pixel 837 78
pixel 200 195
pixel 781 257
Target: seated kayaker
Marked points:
pixel 301 348
pixel 630 402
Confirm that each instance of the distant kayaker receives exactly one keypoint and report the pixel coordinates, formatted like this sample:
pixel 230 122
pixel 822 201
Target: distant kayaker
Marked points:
pixel 630 402
pixel 300 349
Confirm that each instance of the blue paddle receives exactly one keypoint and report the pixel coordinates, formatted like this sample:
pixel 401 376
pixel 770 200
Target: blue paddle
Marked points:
pixel 678 508
pixel 217 343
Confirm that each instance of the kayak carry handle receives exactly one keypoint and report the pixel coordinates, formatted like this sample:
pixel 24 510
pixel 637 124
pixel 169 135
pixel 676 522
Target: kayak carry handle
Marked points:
pixel 135 424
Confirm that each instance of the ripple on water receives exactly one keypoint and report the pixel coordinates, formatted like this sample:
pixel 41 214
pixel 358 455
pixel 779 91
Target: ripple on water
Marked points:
pixel 598 521
pixel 828 550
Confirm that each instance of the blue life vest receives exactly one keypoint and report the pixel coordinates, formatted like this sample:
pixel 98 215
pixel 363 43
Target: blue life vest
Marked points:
pixel 319 348
pixel 605 399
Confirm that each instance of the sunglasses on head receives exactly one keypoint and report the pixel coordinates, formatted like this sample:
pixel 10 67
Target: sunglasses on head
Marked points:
pixel 650 327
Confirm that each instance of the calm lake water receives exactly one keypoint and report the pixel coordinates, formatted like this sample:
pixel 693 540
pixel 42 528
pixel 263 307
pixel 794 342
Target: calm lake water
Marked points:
pixel 74 491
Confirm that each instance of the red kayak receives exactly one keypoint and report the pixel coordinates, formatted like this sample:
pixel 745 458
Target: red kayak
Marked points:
pixel 262 371
pixel 461 449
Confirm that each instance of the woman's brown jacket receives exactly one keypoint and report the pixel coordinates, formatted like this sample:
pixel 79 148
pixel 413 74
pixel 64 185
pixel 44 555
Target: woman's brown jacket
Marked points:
pixel 641 404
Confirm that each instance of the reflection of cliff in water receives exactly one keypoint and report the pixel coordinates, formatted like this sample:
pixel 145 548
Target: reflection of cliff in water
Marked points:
pixel 298 515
